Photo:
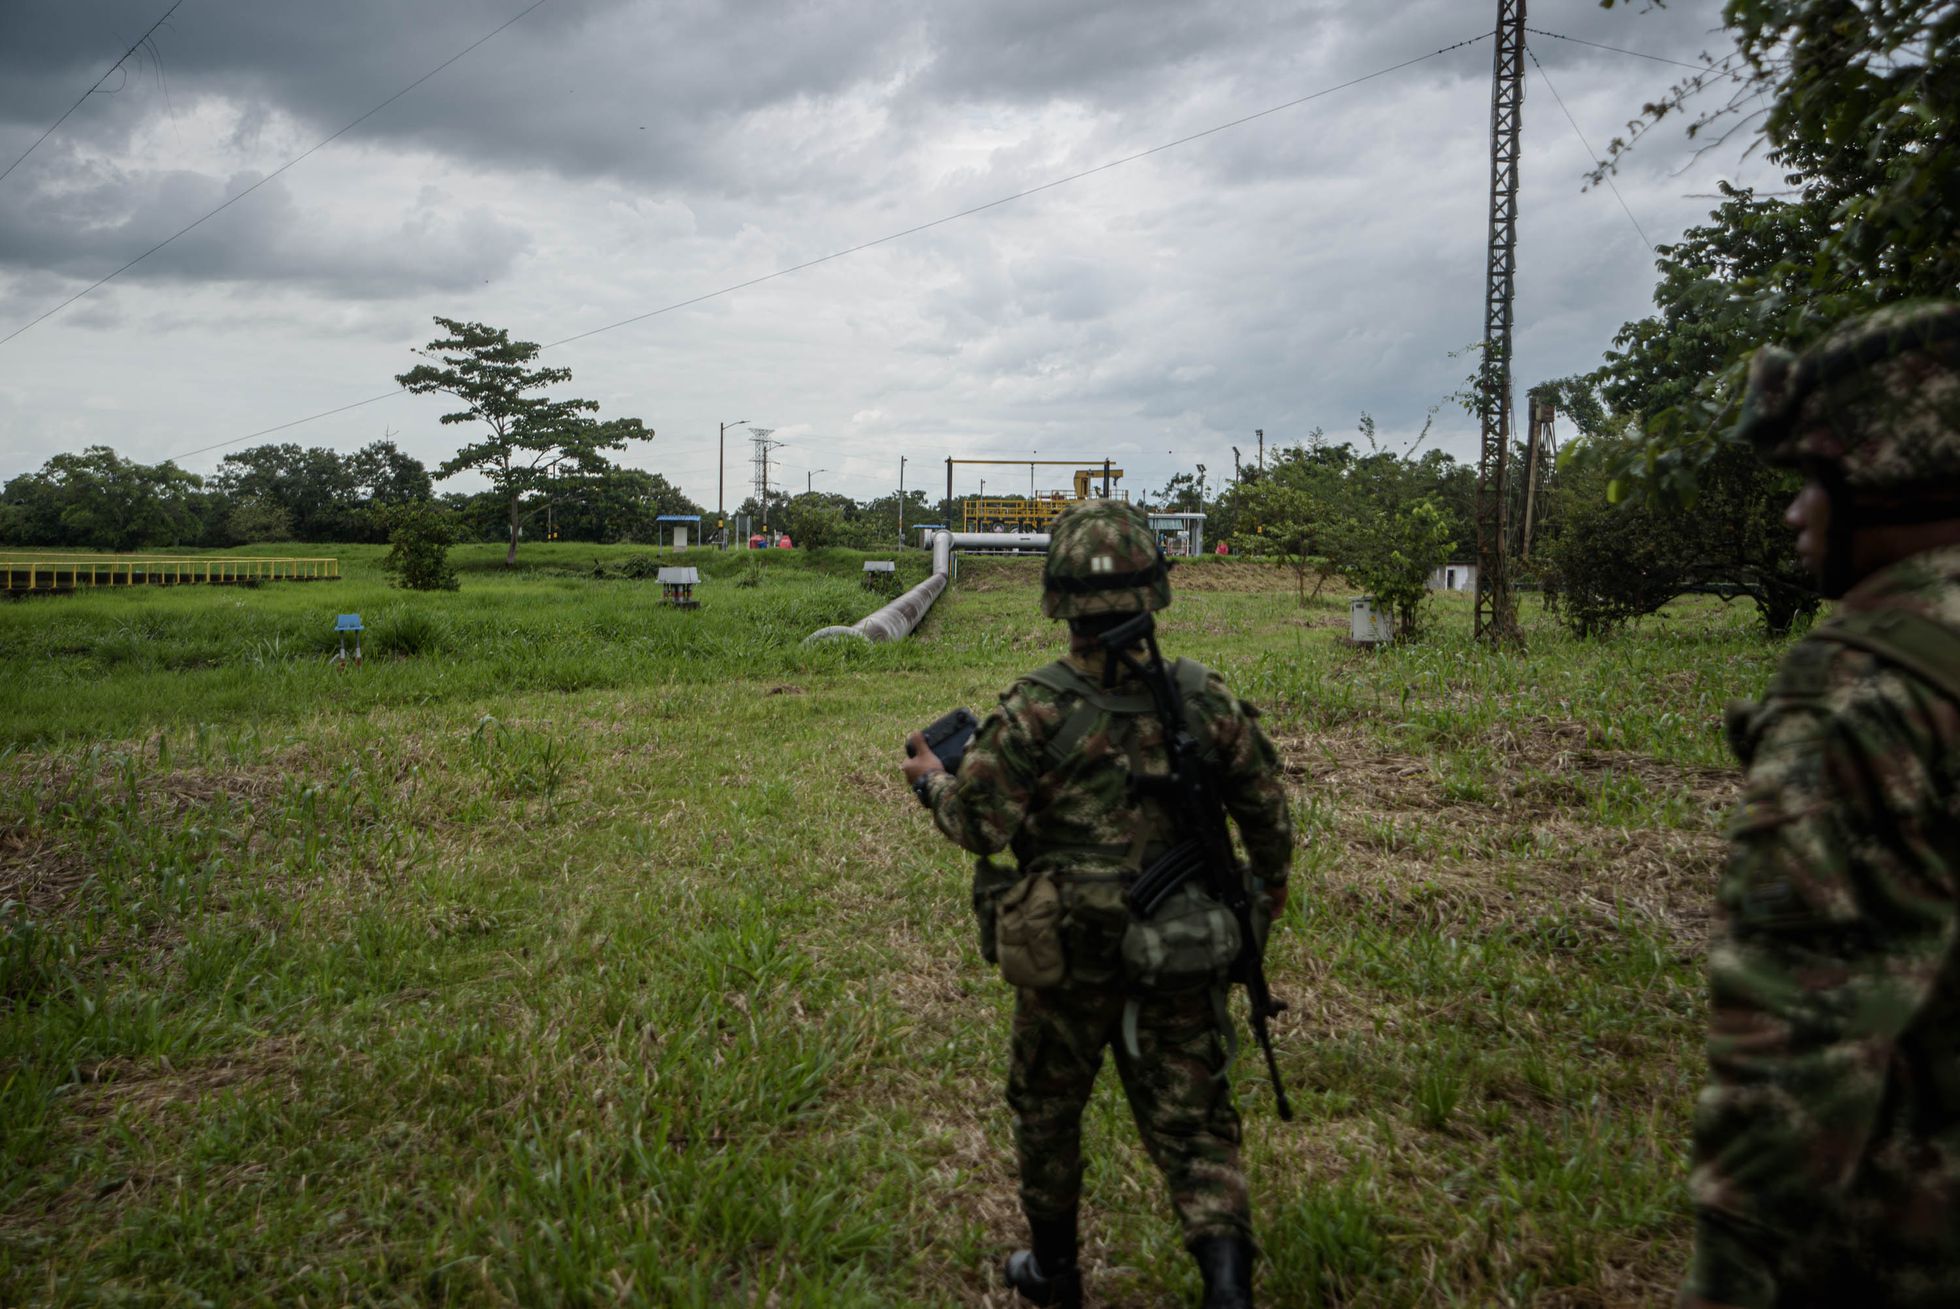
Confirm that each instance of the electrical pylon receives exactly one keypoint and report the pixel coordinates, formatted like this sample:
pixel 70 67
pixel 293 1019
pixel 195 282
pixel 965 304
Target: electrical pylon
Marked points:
pixel 1496 607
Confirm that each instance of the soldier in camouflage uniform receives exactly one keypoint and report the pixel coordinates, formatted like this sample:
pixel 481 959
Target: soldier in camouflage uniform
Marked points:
pixel 1049 775
pixel 1827 1142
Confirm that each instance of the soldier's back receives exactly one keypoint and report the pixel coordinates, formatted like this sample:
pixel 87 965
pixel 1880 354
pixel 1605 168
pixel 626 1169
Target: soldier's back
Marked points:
pixel 1836 979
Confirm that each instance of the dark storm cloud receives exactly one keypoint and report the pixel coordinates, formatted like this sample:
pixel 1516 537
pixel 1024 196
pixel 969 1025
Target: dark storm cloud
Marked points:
pixel 604 157
pixel 657 93
pixel 103 217
pixel 601 86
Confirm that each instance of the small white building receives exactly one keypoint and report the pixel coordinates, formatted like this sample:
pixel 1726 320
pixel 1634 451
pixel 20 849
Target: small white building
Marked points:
pixel 1181 534
pixel 1454 577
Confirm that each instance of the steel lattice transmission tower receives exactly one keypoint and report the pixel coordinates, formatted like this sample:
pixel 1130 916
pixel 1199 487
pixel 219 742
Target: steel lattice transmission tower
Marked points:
pixel 759 447
pixel 1497 618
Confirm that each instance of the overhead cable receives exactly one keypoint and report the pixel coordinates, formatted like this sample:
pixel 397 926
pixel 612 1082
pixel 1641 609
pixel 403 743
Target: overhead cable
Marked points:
pixel 134 47
pixel 1618 50
pixel 1604 177
pixel 269 176
pixel 297 422
pixel 894 236
pixel 1021 195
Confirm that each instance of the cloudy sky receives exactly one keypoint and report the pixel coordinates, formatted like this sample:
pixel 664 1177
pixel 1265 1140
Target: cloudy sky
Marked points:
pixel 601 159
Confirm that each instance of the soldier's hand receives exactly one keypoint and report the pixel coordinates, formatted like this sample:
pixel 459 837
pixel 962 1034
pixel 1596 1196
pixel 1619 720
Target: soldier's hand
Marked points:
pixel 921 762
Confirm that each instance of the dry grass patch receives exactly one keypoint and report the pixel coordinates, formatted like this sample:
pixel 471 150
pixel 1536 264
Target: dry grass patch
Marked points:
pixel 39 875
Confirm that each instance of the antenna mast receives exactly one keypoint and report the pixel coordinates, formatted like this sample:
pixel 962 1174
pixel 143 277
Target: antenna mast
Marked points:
pixel 1496 611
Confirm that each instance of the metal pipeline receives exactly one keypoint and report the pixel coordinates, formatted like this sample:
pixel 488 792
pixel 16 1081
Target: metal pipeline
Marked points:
pixel 898 618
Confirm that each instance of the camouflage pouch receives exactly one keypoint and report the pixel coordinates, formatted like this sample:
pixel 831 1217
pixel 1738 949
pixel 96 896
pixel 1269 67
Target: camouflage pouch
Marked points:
pixel 1028 933
pixel 990 882
pixel 1189 944
pixel 1093 922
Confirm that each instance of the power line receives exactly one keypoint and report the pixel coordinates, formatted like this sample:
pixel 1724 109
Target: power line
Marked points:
pixel 867 245
pixel 1605 177
pixel 297 422
pixel 134 47
pixel 1637 54
pixel 1018 195
pixel 269 176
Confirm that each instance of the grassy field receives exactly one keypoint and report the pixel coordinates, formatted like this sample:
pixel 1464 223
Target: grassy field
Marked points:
pixel 578 951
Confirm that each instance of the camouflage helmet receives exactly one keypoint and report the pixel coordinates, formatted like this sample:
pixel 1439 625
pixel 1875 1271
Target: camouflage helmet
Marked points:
pixel 1876 403
pixel 1103 559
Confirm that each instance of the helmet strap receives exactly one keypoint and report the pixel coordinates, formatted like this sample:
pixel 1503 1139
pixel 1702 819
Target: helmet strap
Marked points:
pixel 1836 577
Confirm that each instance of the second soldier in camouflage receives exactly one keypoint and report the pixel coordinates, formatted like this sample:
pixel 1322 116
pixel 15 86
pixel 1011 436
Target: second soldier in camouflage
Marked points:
pixel 1049 776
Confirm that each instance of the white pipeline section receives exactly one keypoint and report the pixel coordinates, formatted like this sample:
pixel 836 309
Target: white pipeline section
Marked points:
pixel 898 618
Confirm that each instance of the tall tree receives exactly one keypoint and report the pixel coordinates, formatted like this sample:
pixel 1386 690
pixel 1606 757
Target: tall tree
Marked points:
pixel 528 439
pixel 1859 102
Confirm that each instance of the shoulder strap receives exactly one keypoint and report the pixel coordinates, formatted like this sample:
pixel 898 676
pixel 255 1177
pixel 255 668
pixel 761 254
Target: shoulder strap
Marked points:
pixel 1090 701
pixel 1191 676
pixel 1065 677
pixel 1922 646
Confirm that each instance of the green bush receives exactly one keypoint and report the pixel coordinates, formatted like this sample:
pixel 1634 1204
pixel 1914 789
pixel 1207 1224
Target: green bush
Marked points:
pixel 1394 553
pixel 419 537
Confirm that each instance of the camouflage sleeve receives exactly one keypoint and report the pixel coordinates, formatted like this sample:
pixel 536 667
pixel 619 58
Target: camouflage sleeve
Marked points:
pixel 983 805
pixel 1835 913
pixel 1249 783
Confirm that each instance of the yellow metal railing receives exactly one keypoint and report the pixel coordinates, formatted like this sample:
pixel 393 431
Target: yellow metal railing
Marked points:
pixel 57 572
pixel 983 513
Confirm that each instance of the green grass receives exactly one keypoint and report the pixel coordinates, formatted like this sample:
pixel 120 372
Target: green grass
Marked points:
pixel 581 951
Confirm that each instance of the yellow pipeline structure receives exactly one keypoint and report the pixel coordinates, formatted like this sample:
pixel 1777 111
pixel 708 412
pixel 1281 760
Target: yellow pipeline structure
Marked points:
pixel 57 572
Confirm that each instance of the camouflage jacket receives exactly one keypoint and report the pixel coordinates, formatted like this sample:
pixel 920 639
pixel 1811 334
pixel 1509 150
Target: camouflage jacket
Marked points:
pixel 1827 1142
pixel 1080 810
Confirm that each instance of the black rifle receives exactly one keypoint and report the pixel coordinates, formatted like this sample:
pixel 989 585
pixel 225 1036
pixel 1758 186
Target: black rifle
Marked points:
pixel 947 737
pixel 1205 849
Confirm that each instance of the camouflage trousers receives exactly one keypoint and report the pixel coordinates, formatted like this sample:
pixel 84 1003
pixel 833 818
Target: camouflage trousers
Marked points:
pixel 1177 1089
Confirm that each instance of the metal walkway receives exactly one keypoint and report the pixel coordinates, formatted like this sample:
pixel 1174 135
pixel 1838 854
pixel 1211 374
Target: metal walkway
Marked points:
pixel 24 574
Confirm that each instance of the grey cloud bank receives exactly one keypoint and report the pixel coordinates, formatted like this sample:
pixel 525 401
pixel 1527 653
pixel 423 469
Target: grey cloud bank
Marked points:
pixel 601 159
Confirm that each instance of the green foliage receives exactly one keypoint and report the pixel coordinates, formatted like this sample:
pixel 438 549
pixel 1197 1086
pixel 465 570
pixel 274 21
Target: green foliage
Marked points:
pixel 99 499
pixel 1391 554
pixel 1384 521
pixel 313 489
pixel 254 521
pixel 1606 564
pixel 419 537
pixel 1859 101
pixel 616 504
pixel 812 521
pixel 528 442
pixel 1182 494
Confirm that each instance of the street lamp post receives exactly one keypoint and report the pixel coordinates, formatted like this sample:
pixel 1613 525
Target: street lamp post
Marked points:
pixel 809 475
pixel 721 479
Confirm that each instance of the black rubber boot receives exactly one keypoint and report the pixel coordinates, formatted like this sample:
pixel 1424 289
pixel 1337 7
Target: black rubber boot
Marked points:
pixel 1047 1275
pixel 1226 1265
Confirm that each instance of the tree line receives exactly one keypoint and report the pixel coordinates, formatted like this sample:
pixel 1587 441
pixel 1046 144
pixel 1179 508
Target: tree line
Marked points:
pixel 99 500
